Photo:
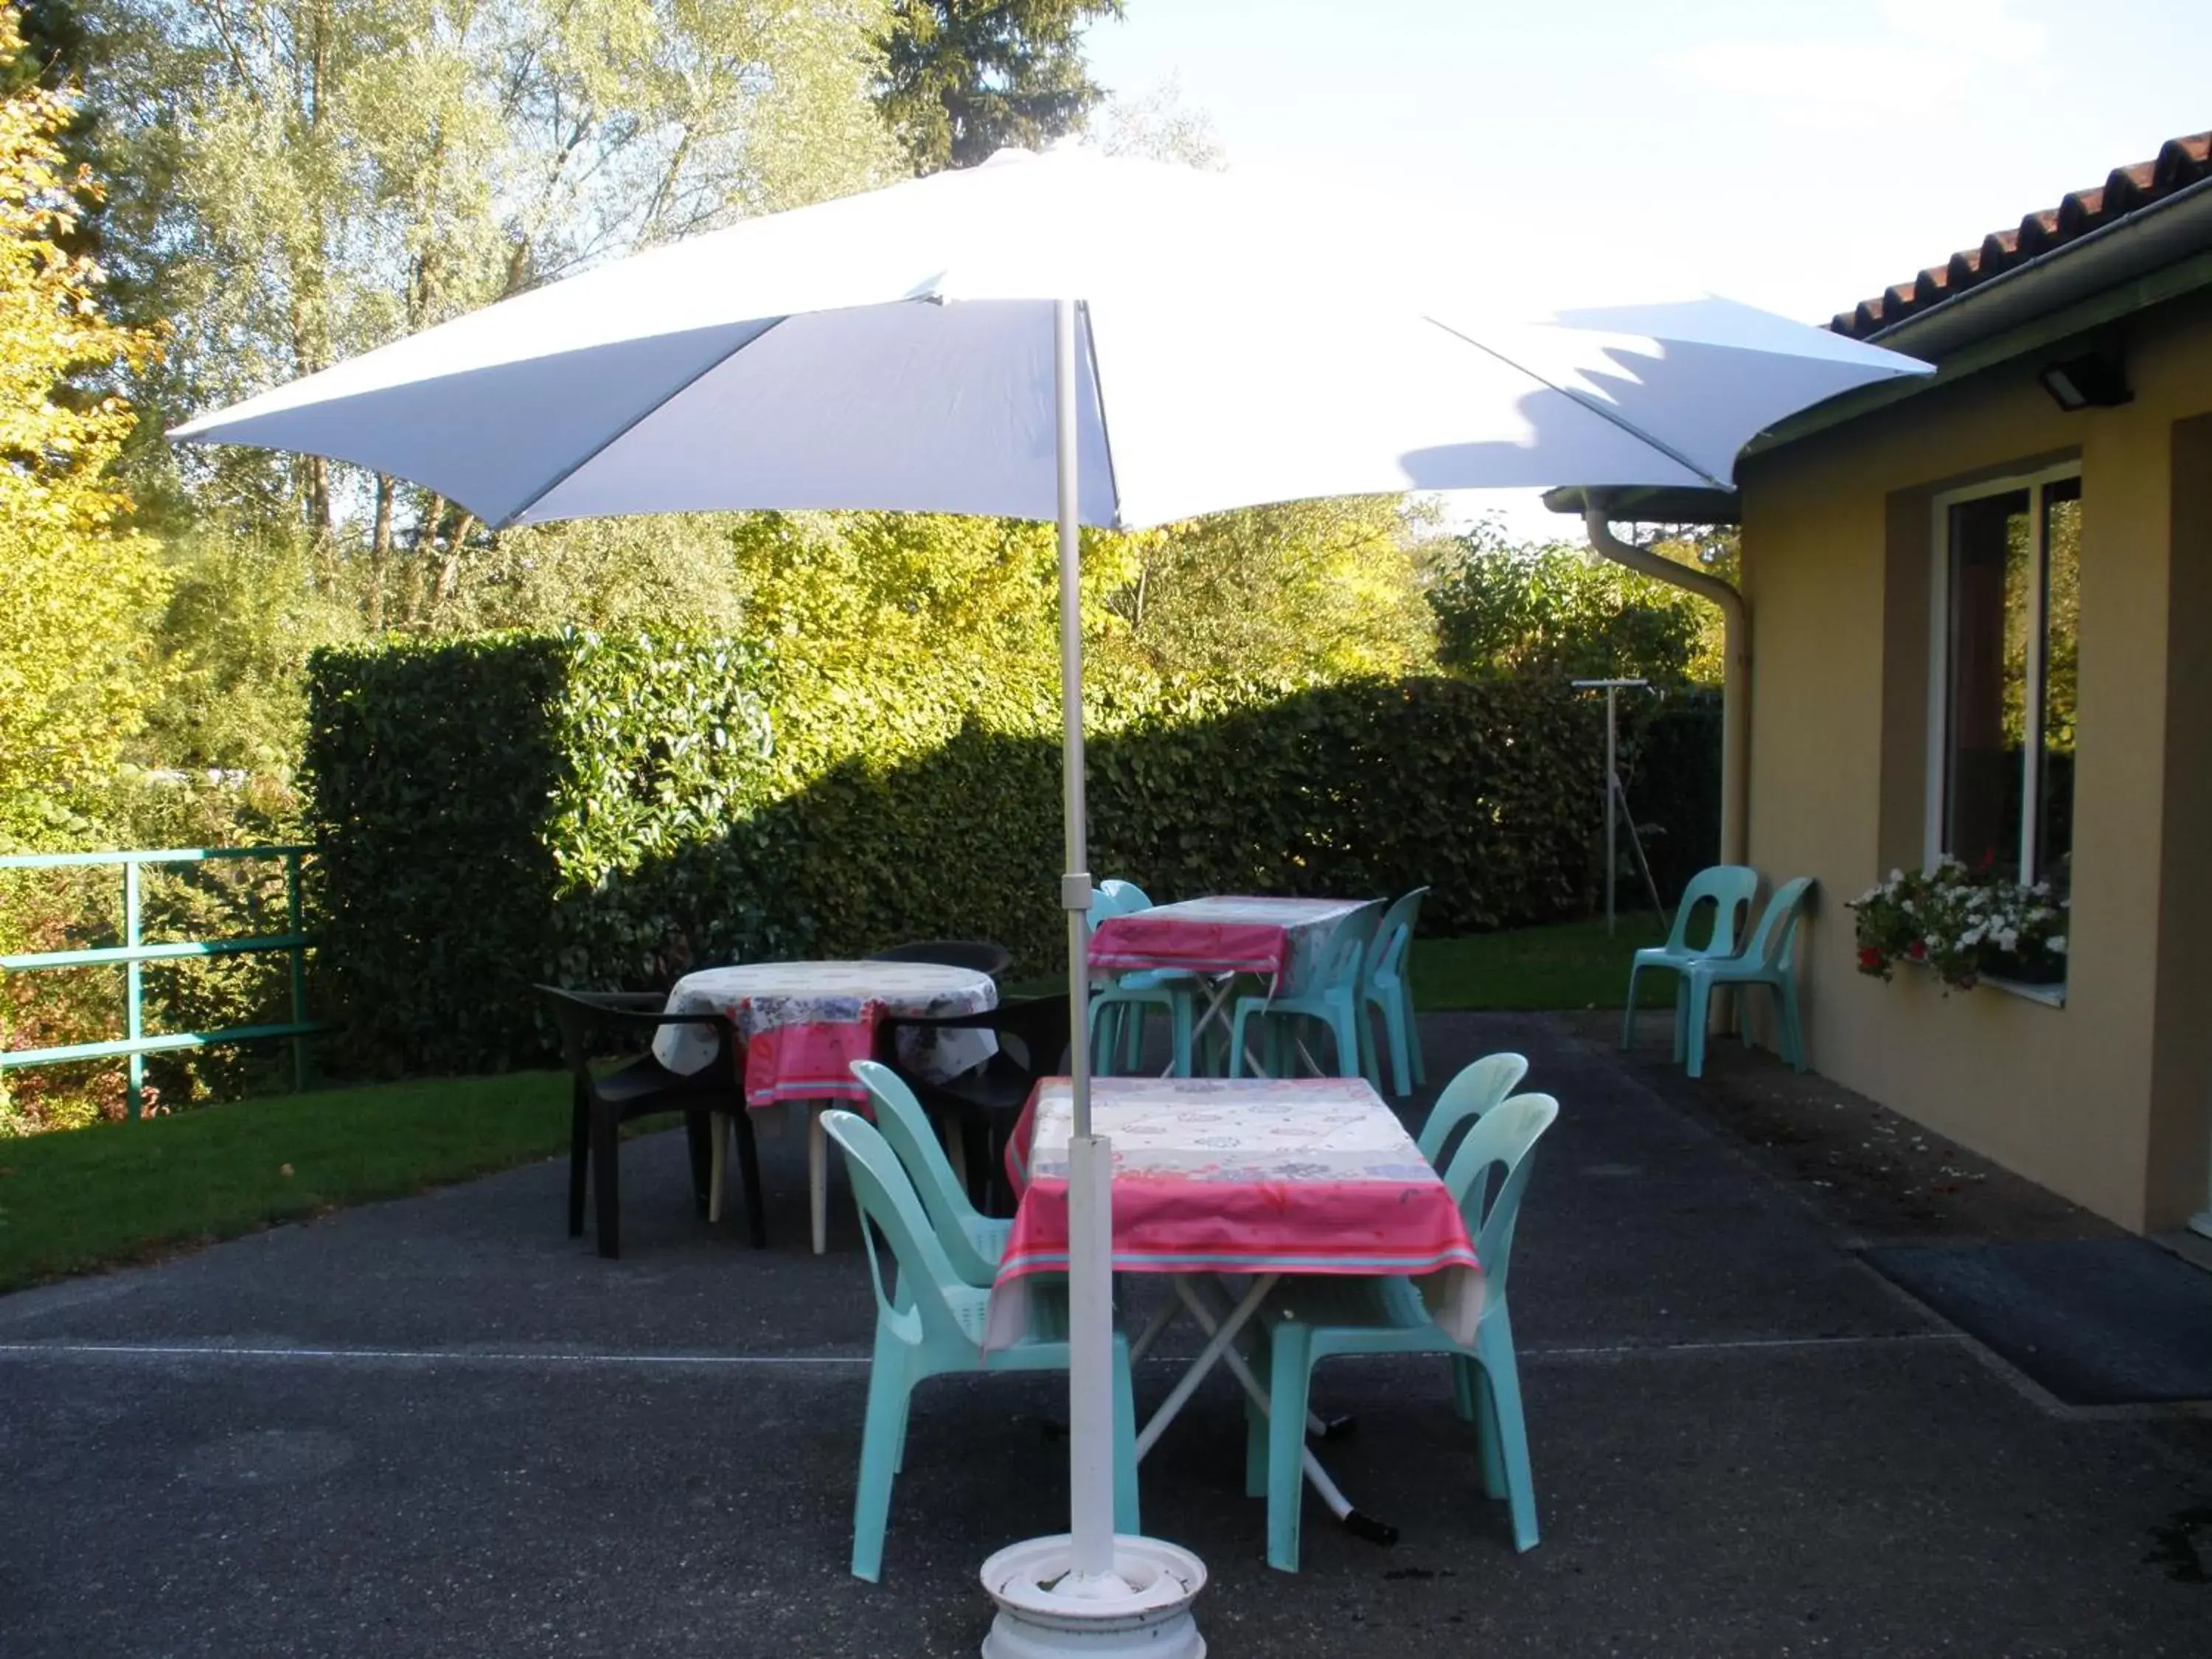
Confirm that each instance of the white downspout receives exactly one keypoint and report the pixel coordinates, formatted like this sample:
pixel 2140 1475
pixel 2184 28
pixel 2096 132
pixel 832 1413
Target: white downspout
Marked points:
pixel 1736 686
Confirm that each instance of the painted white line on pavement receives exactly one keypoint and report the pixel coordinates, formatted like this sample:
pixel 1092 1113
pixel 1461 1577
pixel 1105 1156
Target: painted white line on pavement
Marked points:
pixel 524 1357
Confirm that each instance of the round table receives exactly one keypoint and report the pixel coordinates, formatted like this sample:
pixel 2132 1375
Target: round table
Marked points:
pixel 824 998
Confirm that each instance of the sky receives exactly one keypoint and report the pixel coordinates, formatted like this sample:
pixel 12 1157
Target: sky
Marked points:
pixel 1796 154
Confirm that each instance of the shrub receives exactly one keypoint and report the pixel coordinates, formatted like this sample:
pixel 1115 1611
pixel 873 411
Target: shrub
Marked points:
pixel 509 809
pixel 81 907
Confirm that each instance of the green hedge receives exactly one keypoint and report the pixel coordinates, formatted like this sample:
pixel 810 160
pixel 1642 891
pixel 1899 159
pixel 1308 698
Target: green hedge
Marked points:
pixel 516 808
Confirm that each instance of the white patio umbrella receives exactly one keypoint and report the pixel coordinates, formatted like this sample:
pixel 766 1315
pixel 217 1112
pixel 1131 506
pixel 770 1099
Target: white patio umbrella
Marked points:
pixel 1104 342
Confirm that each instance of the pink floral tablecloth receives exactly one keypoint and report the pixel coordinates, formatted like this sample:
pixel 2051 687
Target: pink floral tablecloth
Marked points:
pixel 1244 1175
pixel 802 1024
pixel 1282 938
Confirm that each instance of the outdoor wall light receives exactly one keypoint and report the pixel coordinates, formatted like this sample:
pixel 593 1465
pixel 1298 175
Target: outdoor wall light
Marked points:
pixel 2094 381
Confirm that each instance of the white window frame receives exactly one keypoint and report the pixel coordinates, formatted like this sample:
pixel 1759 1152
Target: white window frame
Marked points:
pixel 1939 654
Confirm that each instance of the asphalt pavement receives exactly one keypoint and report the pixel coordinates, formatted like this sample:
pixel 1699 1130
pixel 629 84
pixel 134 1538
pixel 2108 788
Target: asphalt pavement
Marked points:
pixel 439 1427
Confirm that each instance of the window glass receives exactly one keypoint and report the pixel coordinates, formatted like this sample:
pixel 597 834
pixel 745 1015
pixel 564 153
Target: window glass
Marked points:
pixel 1991 556
pixel 2062 628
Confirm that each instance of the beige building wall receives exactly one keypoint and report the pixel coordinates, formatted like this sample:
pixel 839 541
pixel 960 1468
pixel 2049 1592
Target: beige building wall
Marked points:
pixel 2108 1098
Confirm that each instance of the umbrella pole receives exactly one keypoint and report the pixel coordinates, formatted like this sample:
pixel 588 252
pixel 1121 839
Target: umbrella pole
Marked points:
pixel 1087 1591
pixel 1090 1178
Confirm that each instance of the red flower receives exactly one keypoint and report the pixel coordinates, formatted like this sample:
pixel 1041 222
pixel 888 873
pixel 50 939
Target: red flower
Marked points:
pixel 1917 952
pixel 1870 958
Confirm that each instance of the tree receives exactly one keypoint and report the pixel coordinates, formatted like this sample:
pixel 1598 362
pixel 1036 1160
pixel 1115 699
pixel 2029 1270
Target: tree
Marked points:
pixel 1550 608
pixel 963 79
pixel 1328 588
pixel 1156 127
pixel 337 173
pixel 76 585
pixel 244 611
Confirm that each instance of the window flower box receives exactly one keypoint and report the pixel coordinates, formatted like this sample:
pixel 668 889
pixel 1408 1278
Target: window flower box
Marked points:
pixel 1965 925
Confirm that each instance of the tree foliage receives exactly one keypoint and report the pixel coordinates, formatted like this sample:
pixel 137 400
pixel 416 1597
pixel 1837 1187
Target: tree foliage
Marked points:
pixel 1327 588
pixel 335 173
pixel 76 583
pixel 243 611
pixel 1552 609
pixel 1157 126
pixel 963 79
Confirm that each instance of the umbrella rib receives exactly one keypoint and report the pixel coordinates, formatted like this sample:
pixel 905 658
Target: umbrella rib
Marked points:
pixel 1098 396
pixel 1589 403
pixel 623 431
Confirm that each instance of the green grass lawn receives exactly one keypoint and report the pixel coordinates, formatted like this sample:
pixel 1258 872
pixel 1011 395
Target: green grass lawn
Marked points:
pixel 80 1199
pixel 77 1199
pixel 1570 965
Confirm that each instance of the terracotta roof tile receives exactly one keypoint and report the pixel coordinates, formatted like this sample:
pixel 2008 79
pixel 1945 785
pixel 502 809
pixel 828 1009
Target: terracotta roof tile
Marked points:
pixel 2180 163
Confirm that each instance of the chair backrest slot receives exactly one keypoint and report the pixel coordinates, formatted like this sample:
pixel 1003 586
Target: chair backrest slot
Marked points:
pixel 1490 1172
pixel 1777 928
pixel 1467 1099
pixel 902 1122
pixel 888 1200
pixel 1394 935
pixel 1731 888
pixel 1344 959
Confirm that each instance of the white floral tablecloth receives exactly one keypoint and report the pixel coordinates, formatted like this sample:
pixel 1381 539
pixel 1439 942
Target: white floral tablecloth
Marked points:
pixel 799 1025
pixel 1244 1175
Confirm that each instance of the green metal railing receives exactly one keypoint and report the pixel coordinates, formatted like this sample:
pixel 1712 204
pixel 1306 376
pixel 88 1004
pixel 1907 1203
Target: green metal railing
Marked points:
pixel 133 954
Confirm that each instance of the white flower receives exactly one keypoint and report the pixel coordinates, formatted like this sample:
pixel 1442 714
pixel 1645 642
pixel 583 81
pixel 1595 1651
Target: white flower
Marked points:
pixel 2057 943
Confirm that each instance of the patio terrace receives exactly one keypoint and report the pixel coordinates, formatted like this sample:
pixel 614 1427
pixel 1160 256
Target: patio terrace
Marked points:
pixel 439 1427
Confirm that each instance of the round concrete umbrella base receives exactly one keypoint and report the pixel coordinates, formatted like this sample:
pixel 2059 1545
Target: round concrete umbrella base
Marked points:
pixel 1143 1607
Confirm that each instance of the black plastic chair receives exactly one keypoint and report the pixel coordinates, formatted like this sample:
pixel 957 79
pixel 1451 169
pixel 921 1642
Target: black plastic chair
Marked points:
pixel 602 1102
pixel 1033 1036
pixel 984 956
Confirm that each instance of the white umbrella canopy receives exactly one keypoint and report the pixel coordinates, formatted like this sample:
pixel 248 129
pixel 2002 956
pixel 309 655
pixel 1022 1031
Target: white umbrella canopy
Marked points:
pixel 1107 342
pixel 893 350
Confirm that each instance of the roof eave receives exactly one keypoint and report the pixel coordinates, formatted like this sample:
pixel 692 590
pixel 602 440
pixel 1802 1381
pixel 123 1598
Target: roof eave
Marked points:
pixel 1650 504
pixel 2033 307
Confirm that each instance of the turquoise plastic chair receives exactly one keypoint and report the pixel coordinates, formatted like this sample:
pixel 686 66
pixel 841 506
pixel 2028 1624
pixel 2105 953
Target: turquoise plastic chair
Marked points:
pixel 1470 1095
pixel 1333 1001
pixel 973 1242
pixel 1731 887
pixel 1313 1317
pixel 1387 987
pixel 1771 959
pixel 932 1325
pixel 1119 1006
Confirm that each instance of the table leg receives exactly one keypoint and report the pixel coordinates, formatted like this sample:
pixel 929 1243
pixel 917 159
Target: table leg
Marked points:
pixel 718 1128
pixel 1154 1328
pixel 956 1149
pixel 1221 990
pixel 1362 1525
pixel 818 1174
pixel 1220 1341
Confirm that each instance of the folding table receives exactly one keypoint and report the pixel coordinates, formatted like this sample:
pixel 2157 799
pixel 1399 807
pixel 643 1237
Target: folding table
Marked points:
pixel 803 1024
pixel 1219 937
pixel 1251 1177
